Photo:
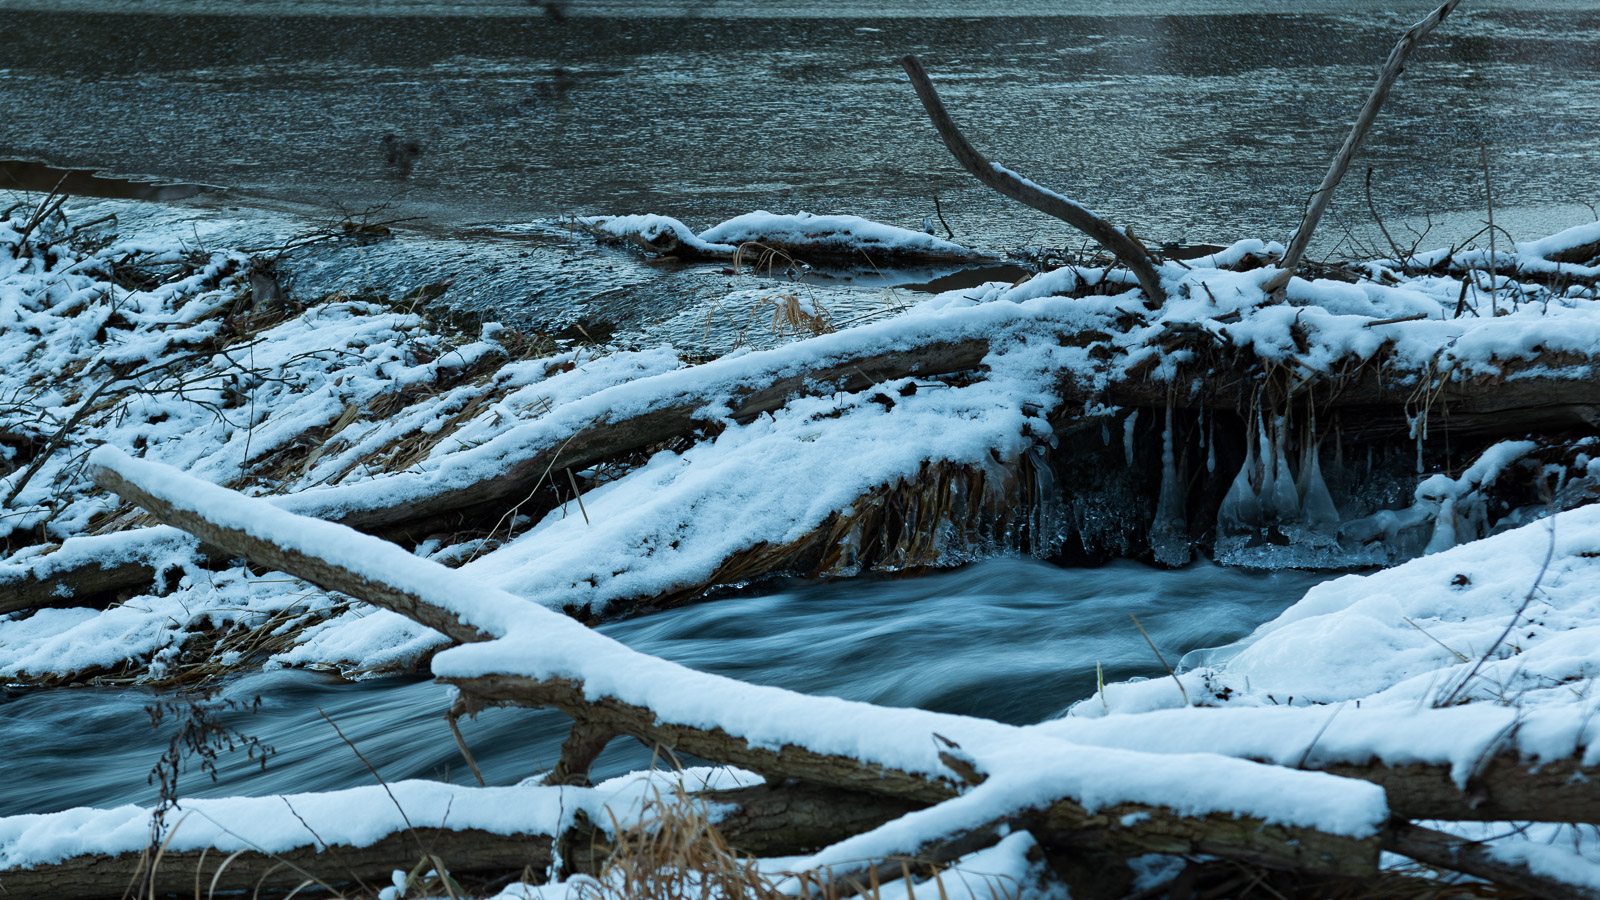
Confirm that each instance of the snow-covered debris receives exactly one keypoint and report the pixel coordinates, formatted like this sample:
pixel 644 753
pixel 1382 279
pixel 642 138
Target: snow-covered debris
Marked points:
pixel 848 238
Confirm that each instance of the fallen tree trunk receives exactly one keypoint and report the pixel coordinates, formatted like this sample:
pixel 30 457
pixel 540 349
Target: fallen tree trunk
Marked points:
pixel 198 872
pixel 1549 393
pixel 762 820
pixel 1134 826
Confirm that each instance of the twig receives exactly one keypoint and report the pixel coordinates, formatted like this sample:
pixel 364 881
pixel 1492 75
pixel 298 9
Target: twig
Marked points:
pixel 1163 659
pixel 1394 321
pixel 1527 601
pixel 1341 161
pixel 578 495
pixel 940 213
pixel 1373 208
pixel 461 744
pixel 370 768
pixel 1494 257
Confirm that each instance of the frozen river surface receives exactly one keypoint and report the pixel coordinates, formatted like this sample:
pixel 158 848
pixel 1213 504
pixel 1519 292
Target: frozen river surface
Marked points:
pixel 1203 120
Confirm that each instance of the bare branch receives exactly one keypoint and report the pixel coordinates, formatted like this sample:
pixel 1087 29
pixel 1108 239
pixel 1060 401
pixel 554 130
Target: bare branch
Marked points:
pixel 1358 133
pixel 1125 249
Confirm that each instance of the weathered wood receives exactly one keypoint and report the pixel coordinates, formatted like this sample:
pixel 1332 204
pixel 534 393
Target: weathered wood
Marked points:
pixel 1125 249
pixel 1505 789
pixel 713 744
pixel 578 752
pixel 1446 851
pixel 1542 394
pixel 763 820
pixel 1130 827
pixel 787 819
pixel 1341 160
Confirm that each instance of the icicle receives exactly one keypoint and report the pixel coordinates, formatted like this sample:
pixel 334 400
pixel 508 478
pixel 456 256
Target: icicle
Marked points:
pixel 1284 500
pixel 1127 436
pixel 1316 504
pixel 1241 507
pixel 1444 528
pixel 1168 540
pixel 1210 437
pixel 1307 443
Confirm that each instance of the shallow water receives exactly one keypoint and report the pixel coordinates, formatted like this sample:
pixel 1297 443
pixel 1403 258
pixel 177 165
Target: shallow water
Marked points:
pixel 1015 640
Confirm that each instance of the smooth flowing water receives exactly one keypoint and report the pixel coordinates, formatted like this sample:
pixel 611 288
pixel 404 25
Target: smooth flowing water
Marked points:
pixel 1016 640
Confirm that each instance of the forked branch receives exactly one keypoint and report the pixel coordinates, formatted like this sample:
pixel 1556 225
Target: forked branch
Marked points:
pixel 1358 133
pixel 1125 249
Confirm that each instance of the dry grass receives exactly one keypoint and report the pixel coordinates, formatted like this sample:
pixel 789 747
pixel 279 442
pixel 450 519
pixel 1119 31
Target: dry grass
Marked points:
pixel 674 852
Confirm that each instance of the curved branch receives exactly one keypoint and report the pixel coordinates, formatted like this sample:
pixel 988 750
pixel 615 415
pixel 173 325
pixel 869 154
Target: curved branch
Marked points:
pixel 1125 249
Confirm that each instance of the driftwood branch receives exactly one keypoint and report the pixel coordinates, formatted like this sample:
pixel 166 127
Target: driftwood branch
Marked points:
pixel 316 570
pixel 1358 133
pixel 1124 248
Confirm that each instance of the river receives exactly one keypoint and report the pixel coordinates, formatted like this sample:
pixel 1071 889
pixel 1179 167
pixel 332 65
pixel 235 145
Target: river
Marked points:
pixel 1011 639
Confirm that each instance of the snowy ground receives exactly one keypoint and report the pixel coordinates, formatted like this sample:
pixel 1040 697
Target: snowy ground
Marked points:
pixel 142 345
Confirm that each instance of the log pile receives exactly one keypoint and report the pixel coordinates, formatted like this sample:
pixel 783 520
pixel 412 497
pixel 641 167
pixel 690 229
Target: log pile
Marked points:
pixel 851 793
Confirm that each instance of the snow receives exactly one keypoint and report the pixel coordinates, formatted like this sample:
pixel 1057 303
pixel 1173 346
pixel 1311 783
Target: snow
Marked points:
pixel 1477 648
pixel 538 643
pixel 832 234
pixel 353 817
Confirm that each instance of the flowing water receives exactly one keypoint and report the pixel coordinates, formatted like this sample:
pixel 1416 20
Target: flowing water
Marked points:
pixel 1015 640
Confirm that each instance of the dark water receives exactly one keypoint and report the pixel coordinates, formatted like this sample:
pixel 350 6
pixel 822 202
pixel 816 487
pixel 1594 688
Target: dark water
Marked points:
pixel 1187 120
pixel 1015 640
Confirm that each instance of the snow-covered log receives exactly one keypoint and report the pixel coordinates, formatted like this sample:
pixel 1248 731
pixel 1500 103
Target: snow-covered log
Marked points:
pixel 361 835
pixel 1446 851
pixel 90 567
pixel 976 772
